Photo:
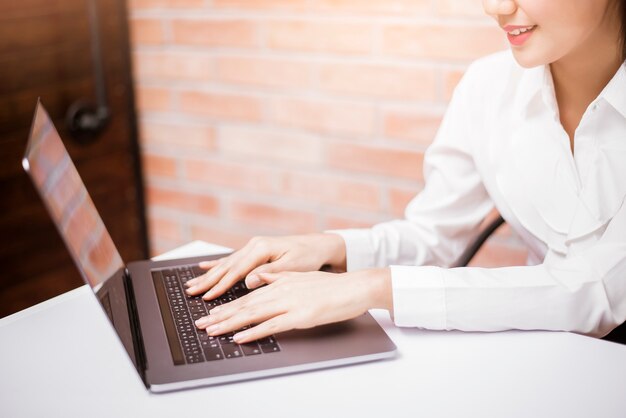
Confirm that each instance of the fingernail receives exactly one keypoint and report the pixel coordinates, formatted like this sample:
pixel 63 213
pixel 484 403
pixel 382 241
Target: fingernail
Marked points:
pixel 190 283
pixel 253 281
pixel 207 296
pixel 215 310
pixel 202 321
pixel 241 336
pixel 190 290
pixel 212 329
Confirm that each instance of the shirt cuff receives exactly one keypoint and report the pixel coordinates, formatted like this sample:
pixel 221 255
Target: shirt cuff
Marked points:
pixel 360 253
pixel 419 297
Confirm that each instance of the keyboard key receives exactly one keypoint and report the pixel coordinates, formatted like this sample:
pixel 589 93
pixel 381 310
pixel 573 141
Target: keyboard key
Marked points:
pixel 231 350
pixel 193 350
pixel 197 309
pixel 226 339
pixel 270 348
pixel 250 349
pixel 212 344
pixel 194 358
pixel 267 340
pixel 213 353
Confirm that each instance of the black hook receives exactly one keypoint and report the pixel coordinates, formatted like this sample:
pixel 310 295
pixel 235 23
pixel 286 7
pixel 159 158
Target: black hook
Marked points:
pixel 84 120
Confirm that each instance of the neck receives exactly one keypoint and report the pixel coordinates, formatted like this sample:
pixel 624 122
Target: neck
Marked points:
pixel 582 75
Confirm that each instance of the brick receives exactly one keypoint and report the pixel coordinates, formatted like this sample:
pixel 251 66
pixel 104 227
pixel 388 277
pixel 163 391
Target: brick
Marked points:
pixel 221 106
pixel 332 190
pixel 376 160
pixel 394 7
pixel 269 145
pixel 273 217
pixel 340 222
pixel 214 33
pixel 173 66
pixel 164 229
pixel 317 102
pixel 336 37
pixel 179 135
pixel 153 98
pixel 378 81
pixel 264 72
pixel 158 247
pixel 261 4
pixel 399 198
pixel 220 235
pixel 146 32
pixel 458 42
pixel 240 176
pixel 159 4
pixel 184 201
pixel 450 81
pixel 323 116
pixel 159 166
pixel 419 128
pixel 460 8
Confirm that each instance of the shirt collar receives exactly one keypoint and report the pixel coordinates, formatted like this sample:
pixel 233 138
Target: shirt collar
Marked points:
pixel 534 82
pixel 615 92
pixel 537 81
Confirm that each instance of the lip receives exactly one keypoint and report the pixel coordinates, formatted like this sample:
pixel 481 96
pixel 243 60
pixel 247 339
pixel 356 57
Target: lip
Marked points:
pixel 519 39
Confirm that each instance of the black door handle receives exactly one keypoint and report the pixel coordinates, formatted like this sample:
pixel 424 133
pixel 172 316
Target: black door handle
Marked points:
pixel 84 119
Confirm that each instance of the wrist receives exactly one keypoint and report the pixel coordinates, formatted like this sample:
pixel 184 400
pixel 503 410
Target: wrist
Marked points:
pixel 376 286
pixel 335 250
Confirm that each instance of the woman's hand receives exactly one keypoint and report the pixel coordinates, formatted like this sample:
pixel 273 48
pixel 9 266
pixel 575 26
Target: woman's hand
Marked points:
pixel 300 300
pixel 269 255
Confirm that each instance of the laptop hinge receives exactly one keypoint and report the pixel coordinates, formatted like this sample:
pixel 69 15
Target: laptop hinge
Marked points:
pixel 140 352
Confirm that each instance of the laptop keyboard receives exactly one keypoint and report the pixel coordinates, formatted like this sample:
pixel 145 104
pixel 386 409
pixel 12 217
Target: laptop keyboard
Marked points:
pixel 193 345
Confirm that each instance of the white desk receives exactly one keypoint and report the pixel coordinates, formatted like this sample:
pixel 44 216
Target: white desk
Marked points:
pixel 61 358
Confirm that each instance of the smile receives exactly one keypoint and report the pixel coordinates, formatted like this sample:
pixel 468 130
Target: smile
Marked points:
pixel 519 31
pixel 518 35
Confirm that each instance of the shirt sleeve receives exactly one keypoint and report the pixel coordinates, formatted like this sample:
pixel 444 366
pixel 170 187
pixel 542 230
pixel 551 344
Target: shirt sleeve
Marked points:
pixel 440 221
pixel 583 292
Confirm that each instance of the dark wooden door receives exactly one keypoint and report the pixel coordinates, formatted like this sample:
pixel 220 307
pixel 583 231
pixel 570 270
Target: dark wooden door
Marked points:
pixel 47 50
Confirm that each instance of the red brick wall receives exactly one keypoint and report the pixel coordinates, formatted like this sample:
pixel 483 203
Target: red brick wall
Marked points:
pixel 291 116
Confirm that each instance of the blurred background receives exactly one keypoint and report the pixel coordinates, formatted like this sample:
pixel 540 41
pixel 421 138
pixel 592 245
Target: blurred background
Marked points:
pixel 223 119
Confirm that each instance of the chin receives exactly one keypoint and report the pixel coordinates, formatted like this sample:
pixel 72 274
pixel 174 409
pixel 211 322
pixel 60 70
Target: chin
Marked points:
pixel 527 60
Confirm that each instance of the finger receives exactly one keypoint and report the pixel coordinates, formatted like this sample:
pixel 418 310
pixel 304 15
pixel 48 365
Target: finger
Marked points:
pixel 258 297
pixel 250 315
pixel 272 326
pixel 215 275
pixel 205 265
pixel 207 280
pixel 239 269
pixel 253 279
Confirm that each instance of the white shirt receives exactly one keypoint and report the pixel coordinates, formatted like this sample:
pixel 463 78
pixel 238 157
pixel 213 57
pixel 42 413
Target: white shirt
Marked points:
pixel 501 144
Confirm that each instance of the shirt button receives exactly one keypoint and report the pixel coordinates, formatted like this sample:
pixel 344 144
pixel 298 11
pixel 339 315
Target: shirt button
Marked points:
pixel 594 107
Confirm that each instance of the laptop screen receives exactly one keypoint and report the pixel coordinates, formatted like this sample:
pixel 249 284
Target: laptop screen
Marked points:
pixel 69 204
pixel 56 179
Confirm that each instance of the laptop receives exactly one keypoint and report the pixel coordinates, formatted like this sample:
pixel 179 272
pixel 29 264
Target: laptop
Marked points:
pixel 150 312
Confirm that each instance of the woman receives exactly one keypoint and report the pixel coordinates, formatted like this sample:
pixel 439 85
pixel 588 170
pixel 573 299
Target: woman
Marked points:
pixel 539 132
